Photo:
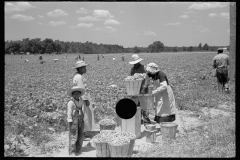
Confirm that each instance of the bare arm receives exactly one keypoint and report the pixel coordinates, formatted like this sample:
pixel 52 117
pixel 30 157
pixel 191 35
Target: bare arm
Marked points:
pixel 69 111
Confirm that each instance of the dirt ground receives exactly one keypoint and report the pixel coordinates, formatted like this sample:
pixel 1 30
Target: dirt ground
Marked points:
pixel 185 120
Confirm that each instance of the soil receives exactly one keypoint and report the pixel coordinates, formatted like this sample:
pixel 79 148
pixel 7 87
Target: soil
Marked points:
pixel 185 120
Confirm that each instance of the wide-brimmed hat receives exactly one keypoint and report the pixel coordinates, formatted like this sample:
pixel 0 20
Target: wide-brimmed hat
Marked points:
pixel 152 68
pixel 80 64
pixel 76 88
pixel 220 49
pixel 136 59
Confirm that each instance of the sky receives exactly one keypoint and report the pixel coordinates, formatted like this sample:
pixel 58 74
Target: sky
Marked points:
pixel 128 24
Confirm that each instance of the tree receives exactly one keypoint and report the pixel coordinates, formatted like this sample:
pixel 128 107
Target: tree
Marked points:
pixel 190 49
pixel 206 46
pixel 157 46
pixel 136 50
pixel 200 46
pixel 49 49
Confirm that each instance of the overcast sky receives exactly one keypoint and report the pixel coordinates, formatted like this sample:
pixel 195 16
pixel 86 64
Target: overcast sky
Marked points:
pixel 124 23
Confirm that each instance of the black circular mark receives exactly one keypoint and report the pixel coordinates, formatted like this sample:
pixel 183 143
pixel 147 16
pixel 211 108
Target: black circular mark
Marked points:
pixel 126 108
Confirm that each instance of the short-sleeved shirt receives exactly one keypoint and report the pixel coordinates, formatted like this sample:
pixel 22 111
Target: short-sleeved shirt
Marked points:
pixel 220 60
pixel 140 69
pixel 162 77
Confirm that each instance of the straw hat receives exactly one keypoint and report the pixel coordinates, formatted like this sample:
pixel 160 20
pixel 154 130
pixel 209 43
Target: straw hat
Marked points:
pixel 76 88
pixel 80 64
pixel 136 59
pixel 152 68
pixel 220 49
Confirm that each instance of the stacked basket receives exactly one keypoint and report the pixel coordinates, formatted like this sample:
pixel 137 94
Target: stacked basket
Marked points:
pixel 134 83
pixel 109 143
pixel 107 124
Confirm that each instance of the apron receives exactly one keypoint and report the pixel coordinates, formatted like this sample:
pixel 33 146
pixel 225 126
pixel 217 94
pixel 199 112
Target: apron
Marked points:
pixel 88 115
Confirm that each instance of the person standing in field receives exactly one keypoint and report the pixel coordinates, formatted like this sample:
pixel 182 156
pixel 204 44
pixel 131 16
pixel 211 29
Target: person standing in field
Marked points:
pixel 75 119
pixel 122 57
pixel 80 80
pixel 164 97
pixel 139 68
pixel 221 63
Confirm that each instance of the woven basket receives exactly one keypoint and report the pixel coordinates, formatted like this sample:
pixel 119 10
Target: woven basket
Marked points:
pixel 119 150
pixel 102 149
pixel 146 101
pixel 133 87
pixel 107 127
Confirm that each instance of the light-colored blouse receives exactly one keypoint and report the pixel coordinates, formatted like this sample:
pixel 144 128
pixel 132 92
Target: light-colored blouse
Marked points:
pixel 72 107
pixel 80 80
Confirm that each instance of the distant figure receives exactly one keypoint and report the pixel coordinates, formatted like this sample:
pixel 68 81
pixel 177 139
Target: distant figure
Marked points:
pixel 122 57
pixel 98 57
pixel 76 58
pixel 83 59
pixel 40 58
pixel 79 57
pixel 102 56
pixel 26 60
pixel 21 57
pixel 220 63
pixel 55 60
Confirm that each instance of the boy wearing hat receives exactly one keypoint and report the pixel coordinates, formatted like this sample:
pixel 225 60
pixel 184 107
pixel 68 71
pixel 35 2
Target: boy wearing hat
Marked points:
pixel 139 68
pixel 220 63
pixel 75 118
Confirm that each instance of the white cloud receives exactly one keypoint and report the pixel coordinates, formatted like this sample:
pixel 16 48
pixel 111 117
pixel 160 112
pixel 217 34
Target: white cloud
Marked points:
pixel 88 18
pixel 121 11
pixel 208 5
pixel 149 33
pixel 224 15
pixel 212 15
pixel 83 25
pixel 111 21
pixel 205 30
pixel 102 14
pixel 82 10
pixel 52 23
pixel 40 16
pixel 21 17
pixel 184 16
pixel 57 13
pixel 173 24
pixel 40 23
pixel 189 12
pixel 108 29
pixel 18 6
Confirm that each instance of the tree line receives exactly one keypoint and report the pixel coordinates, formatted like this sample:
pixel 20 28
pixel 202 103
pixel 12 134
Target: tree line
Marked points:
pixel 48 46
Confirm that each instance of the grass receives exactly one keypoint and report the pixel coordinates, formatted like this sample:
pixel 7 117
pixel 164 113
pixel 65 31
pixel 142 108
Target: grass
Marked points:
pixel 216 139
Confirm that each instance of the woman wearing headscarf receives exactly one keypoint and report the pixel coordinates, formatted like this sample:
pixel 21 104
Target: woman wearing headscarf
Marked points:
pixel 164 97
pixel 75 118
pixel 80 80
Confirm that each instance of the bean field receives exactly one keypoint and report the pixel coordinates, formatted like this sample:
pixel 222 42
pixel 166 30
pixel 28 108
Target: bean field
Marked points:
pixel 36 99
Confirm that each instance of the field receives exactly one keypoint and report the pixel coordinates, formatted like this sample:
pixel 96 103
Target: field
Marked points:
pixel 35 95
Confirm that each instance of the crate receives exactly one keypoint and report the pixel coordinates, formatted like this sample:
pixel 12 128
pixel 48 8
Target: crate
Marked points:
pixel 132 125
pixel 133 87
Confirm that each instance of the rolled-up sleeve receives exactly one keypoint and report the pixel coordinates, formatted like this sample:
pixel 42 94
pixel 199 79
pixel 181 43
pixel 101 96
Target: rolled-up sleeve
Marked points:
pixel 69 111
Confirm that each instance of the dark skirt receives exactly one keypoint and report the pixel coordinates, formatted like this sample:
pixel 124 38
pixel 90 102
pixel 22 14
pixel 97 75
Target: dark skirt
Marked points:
pixel 169 118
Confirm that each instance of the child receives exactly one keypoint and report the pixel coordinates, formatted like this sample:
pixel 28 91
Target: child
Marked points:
pixel 75 118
